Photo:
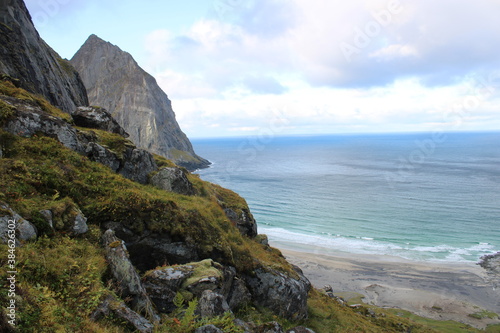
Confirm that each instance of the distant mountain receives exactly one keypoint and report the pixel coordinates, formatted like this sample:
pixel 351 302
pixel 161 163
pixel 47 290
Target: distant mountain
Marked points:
pixel 39 69
pixel 115 82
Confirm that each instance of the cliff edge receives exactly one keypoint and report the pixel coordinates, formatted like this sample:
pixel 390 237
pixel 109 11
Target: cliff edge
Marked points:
pixel 115 82
pixel 40 70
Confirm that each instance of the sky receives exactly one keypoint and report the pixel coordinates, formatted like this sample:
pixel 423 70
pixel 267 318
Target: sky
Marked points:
pixel 299 67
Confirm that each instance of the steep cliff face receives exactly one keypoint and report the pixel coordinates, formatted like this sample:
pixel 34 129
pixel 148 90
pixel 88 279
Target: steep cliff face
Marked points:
pixel 115 81
pixel 25 56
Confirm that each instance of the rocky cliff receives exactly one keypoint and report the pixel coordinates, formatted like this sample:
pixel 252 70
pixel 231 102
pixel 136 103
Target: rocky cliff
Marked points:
pixel 115 81
pixel 25 56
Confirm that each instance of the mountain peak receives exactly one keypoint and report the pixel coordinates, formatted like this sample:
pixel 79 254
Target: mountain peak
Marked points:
pixel 116 82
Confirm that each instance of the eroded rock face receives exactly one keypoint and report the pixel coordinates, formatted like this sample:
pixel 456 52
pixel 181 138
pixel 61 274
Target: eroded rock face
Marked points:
pixel 243 220
pixel 172 180
pixel 14 227
pixel 137 164
pixel 212 304
pixel 125 275
pixel 116 82
pixel 25 56
pixel 29 119
pixel 193 280
pixel 285 295
pixel 96 117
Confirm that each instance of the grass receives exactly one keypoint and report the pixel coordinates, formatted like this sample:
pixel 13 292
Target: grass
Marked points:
pixel 7 88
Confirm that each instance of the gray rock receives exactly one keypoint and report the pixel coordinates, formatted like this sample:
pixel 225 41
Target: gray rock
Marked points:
pixel 194 279
pixel 208 329
pixel 25 56
pixel 96 117
pixel 491 263
pixel 137 164
pixel 30 119
pixel 11 223
pixel 48 217
pixel 163 283
pixel 116 82
pixel 212 304
pixel 262 239
pixel 284 295
pixel 300 329
pixel 172 180
pixel 243 220
pixel 122 311
pixel 271 327
pixel 97 153
pixel 80 224
pixel 126 276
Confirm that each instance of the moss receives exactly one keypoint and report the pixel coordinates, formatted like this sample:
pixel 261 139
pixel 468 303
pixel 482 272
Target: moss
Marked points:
pixel 66 66
pixel 115 142
pixel 7 112
pixel 483 314
pixel 8 88
pixel 202 269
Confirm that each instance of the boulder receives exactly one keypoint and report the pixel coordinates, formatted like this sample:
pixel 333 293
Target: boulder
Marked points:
pixel 137 164
pixel 30 119
pixel 172 180
pixel 284 294
pixel 97 153
pixel 192 280
pixel 243 220
pixel 96 117
pixel 125 275
pixel 14 227
pixel 211 304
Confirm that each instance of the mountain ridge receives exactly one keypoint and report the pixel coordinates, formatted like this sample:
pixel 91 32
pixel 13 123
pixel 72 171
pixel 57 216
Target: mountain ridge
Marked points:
pixel 25 55
pixel 116 82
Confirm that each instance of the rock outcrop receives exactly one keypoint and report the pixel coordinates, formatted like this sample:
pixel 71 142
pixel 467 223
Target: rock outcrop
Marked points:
pixel 99 118
pixel 13 227
pixel 172 180
pixel 39 69
pixel 285 295
pixel 193 280
pixel 125 275
pixel 116 82
pixel 28 119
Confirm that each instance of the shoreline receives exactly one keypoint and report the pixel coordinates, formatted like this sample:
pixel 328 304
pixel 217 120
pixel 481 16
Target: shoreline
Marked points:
pixel 441 291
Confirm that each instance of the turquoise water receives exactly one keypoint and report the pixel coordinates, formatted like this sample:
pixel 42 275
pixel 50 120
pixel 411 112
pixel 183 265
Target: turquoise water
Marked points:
pixel 421 197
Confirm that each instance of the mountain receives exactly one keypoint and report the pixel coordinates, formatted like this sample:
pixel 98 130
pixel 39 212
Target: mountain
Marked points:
pixel 39 69
pixel 115 82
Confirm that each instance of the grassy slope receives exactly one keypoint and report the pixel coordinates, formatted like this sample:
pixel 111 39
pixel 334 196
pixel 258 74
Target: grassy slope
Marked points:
pixel 62 280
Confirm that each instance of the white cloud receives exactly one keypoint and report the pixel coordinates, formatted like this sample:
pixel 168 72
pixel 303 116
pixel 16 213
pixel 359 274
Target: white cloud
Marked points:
pixel 410 61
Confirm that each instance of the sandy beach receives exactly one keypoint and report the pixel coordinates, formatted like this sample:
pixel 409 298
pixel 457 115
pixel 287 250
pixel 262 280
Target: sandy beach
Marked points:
pixel 433 290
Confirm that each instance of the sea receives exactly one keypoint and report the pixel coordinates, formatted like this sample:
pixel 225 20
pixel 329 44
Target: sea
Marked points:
pixel 419 197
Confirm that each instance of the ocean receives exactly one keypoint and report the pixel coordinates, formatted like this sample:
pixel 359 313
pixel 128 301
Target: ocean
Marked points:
pixel 420 197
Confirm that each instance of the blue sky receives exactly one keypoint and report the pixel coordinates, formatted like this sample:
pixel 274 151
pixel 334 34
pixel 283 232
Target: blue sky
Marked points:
pixel 281 67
